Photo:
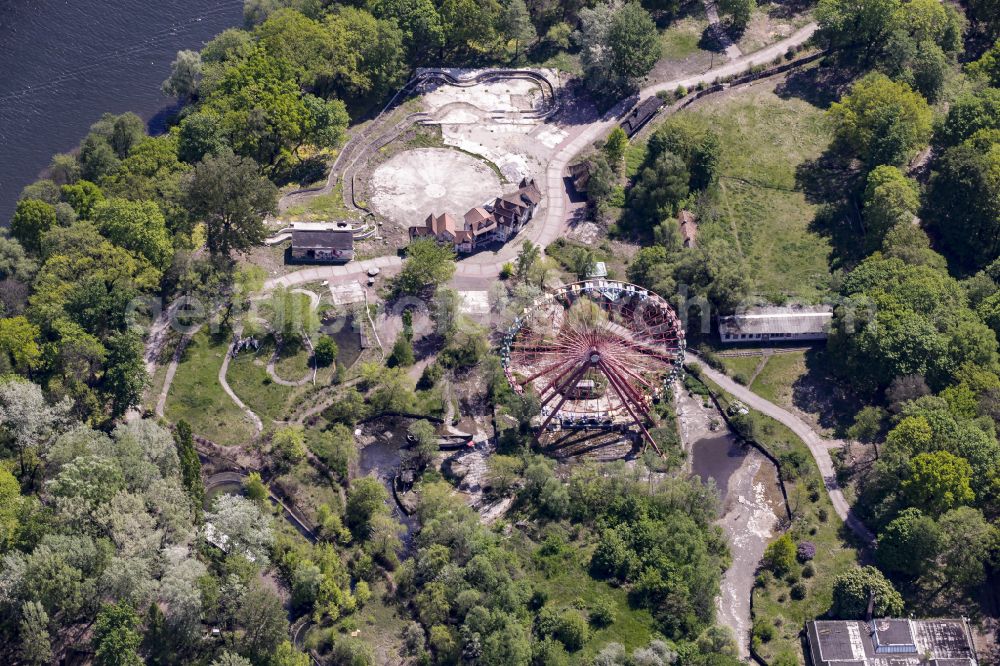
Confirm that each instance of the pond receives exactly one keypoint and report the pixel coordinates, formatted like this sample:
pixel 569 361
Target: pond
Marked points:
pixel 382 458
pixel 348 338
pixel 717 458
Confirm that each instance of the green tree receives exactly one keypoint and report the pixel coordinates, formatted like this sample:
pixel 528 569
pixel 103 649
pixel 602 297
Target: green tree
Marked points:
pixel 428 265
pixel 19 348
pixel 853 588
pixel 938 481
pixel 910 543
pixel 619 46
pixel 739 13
pixel 116 636
pixel 660 188
pixel 503 472
pixel 200 134
pixel 265 623
pixel 882 121
pixel 890 199
pixel 137 226
pixel 289 443
pixel 232 198
pixel 970 113
pixel 515 24
pixel 963 198
pixel 425 442
pixel 860 25
pixel 968 544
pixel 254 488
pixel 125 376
pixel 614 147
pixel 366 498
pixel 32 218
pixel 190 463
pixel 185 75
pixel 36 646
pixel 572 630
pixel 83 196
pixel 526 258
pixel 97 159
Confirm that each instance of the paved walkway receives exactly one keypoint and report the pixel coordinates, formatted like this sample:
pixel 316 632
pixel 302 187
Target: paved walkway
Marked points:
pixel 818 447
pixel 551 221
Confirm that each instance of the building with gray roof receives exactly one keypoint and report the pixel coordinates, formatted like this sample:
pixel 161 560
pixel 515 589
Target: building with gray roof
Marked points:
pixel 776 324
pixel 891 642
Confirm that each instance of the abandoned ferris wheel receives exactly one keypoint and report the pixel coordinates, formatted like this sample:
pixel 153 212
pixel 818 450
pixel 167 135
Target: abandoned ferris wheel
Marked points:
pixel 597 353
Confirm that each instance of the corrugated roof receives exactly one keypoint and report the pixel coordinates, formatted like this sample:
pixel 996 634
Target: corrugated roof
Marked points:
pixel 768 321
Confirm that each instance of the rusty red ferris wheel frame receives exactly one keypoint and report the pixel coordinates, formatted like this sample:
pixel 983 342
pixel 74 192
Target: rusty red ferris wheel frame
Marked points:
pixel 598 353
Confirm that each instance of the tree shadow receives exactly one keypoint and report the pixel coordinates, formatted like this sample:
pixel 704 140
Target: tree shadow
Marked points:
pixel 304 172
pixel 713 38
pixel 820 86
pixel 819 393
pixel 835 181
pixel 789 8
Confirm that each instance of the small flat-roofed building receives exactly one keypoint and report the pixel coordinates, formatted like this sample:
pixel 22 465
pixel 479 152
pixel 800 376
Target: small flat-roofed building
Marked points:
pixel 890 642
pixel 773 323
pixel 322 242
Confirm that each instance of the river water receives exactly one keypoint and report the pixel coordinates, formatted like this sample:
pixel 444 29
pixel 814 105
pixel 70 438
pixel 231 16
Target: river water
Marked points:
pixel 65 62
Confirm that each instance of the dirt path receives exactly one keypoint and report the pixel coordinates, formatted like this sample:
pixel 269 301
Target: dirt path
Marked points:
pixel 818 447
pixel 258 424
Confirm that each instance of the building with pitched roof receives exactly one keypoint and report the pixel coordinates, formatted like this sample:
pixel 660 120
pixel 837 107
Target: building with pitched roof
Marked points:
pixel 496 221
pixel 322 242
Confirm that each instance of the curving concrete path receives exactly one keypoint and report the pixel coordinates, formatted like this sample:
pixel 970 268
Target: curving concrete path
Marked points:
pixel 818 447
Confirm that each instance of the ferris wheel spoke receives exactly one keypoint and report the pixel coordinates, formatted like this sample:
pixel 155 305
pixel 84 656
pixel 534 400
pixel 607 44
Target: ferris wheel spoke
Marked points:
pixel 635 417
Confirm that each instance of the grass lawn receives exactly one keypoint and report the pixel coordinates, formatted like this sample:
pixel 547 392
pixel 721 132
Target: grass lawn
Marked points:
pixel 322 207
pixel 197 397
pixel 775 381
pixel 379 625
pixel 681 39
pixel 815 521
pixel 756 202
pixel 741 366
pixel 568 583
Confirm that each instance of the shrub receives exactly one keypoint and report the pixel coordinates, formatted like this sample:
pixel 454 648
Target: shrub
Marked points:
pixel 430 376
pixel 823 515
pixel 571 630
pixel 402 354
pixel 506 271
pixel 741 378
pixel 763 631
pixel 805 551
pixel 602 613
pixel 799 591
pixel 808 571
pixel 779 556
